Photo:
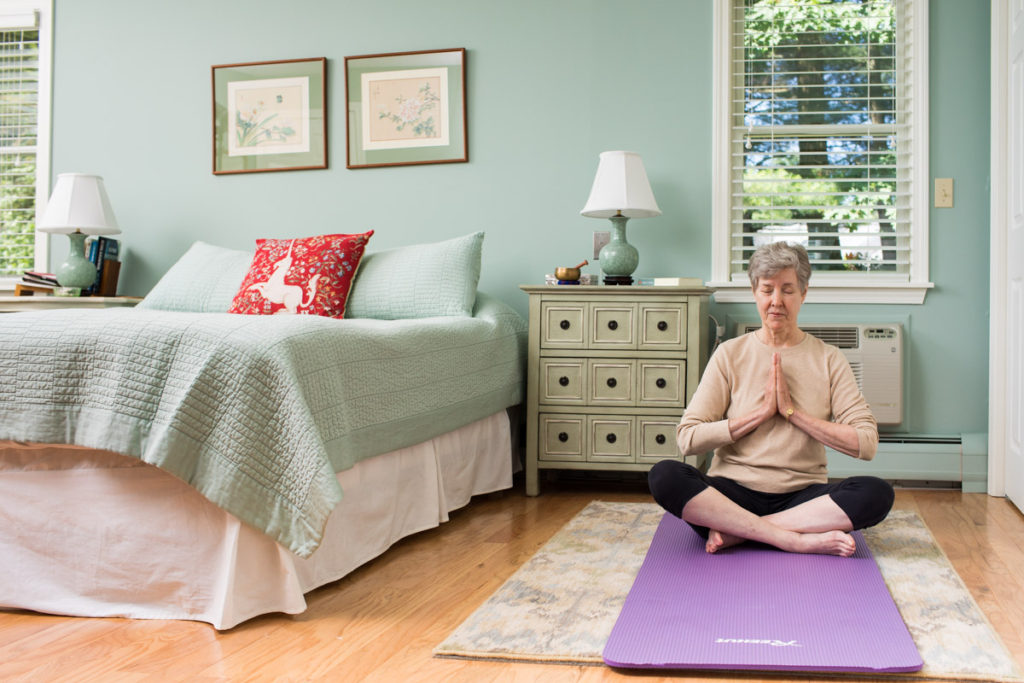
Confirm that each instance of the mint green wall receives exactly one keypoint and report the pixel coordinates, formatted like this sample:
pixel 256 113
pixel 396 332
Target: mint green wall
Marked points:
pixel 552 83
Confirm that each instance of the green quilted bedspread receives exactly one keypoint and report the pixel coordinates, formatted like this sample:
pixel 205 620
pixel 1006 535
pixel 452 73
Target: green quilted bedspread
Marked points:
pixel 257 413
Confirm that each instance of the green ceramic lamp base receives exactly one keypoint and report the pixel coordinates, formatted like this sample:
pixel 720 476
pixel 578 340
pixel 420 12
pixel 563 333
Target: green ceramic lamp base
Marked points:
pixel 76 271
pixel 618 258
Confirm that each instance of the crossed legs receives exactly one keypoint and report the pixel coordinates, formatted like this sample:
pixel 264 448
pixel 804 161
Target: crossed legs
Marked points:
pixel 729 524
pixel 814 520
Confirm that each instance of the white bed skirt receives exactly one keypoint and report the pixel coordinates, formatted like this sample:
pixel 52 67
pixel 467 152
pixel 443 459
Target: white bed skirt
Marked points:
pixel 94 533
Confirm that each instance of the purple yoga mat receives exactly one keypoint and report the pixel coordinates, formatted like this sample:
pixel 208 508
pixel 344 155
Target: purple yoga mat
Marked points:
pixel 754 607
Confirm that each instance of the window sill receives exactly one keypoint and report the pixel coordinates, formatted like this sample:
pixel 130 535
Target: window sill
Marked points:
pixel 833 293
pixel 7 284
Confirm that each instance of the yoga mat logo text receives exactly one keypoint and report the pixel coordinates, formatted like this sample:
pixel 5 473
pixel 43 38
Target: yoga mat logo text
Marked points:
pixel 759 641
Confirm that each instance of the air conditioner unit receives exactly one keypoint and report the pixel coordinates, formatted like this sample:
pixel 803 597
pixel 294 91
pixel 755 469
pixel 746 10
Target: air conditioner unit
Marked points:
pixel 875 353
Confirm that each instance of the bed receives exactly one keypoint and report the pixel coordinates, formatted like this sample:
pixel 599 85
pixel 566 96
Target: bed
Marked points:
pixel 177 462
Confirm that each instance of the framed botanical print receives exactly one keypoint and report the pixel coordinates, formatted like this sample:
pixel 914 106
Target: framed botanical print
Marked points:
pixel 270 116
pixel 406 108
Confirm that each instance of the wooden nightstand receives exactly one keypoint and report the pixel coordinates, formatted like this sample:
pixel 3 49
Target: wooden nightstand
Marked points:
pixel 13 304
pixel 610 371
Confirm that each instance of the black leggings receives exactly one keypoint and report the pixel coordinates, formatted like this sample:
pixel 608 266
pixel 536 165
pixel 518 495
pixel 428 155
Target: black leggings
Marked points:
pixel 865 500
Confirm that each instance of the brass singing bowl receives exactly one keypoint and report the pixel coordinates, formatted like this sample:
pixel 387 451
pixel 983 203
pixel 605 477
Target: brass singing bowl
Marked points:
pixel 570 273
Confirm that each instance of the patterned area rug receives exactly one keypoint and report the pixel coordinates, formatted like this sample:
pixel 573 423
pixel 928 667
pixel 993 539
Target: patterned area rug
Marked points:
pixel 561 605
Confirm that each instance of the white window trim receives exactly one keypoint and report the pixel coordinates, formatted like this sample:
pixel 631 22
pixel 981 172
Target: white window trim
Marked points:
pixel 825 287
pixel 45 13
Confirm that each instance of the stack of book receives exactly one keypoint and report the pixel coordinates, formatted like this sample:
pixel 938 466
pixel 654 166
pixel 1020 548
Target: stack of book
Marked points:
pixel 39 279
pixel 36 282
pixel 104 252
pixel 670 281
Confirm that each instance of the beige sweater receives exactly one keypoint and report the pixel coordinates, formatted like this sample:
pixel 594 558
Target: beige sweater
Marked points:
pixel 776 457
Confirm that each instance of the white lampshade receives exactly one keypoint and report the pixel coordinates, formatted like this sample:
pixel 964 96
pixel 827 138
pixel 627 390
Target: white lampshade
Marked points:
pixel 621 188
pixel 79 203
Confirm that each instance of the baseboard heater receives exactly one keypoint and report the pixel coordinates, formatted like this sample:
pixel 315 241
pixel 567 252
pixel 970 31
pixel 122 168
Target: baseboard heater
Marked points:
pixel 903 438
pixel 909 458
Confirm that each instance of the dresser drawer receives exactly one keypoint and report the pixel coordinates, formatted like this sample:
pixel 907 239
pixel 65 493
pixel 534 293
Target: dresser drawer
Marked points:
pixel 562 380
pixel 662 326
pixel 612 381
pixel 579 325
pixel 661 382
pixel 611 438
pixel 613 326
pixel 656 439
pixel 563 324
pixel 607 438
pixel 562 438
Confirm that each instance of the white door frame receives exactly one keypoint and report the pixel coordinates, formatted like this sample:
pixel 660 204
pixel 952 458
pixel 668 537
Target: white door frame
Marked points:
pixel 997 250
pixel 1005 450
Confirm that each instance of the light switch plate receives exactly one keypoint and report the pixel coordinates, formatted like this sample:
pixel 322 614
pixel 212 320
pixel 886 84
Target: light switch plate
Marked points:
pixel 943 193
pixel 601 238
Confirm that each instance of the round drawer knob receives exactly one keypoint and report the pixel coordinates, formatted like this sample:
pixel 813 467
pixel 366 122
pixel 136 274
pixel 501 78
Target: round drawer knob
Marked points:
pixel 612 382
pixel 563 380
pixel 564 324
pixel 613 324
pixel 563 437
pixel 610 438
pixel 662 325
pixel 660 382
pixel 660 439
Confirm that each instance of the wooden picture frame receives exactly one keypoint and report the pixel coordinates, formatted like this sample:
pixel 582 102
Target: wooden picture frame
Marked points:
pixel 406 108
pixel 269 116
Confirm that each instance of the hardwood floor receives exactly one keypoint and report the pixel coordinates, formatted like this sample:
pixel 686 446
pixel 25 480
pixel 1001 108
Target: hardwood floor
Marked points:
pixel 381 622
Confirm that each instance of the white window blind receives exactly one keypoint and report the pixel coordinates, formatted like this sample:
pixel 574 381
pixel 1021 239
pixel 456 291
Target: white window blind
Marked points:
pixel 20 78
pixel 820 142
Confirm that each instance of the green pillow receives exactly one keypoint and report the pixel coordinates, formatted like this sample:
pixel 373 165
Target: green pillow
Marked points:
pixel 204 280
pixel 419 281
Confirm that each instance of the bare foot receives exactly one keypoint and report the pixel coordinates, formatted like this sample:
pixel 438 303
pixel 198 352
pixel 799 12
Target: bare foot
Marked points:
pixel 718 540
pixel 827 543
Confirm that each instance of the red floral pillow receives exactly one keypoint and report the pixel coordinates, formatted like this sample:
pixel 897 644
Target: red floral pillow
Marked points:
pixel 306 276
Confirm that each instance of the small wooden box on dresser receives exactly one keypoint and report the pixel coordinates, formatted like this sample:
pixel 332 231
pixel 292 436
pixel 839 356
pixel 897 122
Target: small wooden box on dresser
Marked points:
pixel 611 369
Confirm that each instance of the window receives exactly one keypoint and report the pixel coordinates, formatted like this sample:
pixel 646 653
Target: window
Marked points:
pixel 821 115
pixel 24 133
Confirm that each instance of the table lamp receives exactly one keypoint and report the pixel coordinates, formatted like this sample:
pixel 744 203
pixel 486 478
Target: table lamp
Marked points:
pixel 78 207
pixel 620 192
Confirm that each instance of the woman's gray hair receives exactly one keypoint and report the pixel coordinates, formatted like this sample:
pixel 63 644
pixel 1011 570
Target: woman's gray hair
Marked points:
pixel 774 257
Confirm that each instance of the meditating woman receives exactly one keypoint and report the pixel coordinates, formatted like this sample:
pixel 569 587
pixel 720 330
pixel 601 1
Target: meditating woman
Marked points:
pixel 768 404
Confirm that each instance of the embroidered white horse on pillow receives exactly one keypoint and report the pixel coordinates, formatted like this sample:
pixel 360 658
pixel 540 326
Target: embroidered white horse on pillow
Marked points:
pixel 276 291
